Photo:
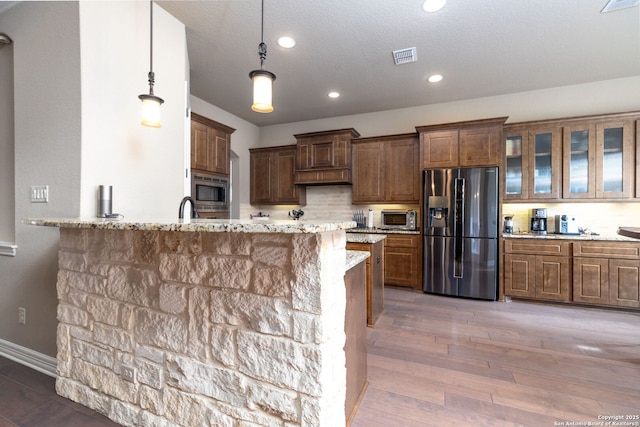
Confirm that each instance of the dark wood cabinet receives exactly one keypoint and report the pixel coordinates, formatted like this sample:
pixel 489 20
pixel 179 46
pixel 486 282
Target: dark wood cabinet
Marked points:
pixel 537 269
pixel 355 347
pixel 532 162
pixel 386 169
pixel 591 280
pixel 598 159
pixel 579 158
pixel 403 260
pixel 594 272
pixel 210 145
pixel 271 174
pixel 374 277
pixel 607 273
pixel 368 172
pixel 472 143
pixel 324 157
pixel 624 282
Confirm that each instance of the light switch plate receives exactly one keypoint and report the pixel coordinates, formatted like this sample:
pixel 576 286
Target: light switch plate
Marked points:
pixel 39 194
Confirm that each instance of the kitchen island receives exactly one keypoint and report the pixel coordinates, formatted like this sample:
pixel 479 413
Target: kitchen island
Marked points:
pixel 203 322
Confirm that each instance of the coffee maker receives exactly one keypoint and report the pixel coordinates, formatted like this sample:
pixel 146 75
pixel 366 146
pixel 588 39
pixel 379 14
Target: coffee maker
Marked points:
pixel 539 221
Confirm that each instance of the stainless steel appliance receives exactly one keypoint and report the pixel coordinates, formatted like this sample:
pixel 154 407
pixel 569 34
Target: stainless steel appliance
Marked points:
pixel 460 233
pixel 508 224
pixel 398 219
pixel 565 224
pixel 539 221
pixel 210 192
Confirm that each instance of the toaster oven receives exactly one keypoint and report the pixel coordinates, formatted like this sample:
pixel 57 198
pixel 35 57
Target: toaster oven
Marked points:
pixel 399 219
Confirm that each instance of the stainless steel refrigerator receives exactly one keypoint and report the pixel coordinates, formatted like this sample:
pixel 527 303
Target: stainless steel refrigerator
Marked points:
pixel 460 232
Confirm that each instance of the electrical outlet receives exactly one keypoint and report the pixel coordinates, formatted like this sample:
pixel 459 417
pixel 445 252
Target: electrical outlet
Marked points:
pixel 128 373
pixel 22 315
pixel 39 194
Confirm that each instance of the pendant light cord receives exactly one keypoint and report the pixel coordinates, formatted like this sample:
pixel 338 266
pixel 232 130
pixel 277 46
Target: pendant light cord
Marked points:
pixel 262 47
pixel 152 79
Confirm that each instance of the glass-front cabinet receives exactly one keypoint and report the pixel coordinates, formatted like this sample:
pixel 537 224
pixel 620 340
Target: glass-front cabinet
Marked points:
pixel 598 160
pixel 532 163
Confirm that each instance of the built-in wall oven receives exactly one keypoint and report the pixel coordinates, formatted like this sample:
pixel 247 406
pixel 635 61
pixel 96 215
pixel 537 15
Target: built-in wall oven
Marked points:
pixel 210 192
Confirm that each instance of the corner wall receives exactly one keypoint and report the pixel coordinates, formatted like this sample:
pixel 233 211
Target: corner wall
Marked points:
pixel 77 126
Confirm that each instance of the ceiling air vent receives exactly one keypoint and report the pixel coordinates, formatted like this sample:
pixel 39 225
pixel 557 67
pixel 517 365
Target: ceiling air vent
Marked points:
pixel 619 4
pixel 404 56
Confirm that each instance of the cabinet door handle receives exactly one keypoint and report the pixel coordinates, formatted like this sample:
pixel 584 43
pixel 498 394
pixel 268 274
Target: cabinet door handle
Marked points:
pixel 378 259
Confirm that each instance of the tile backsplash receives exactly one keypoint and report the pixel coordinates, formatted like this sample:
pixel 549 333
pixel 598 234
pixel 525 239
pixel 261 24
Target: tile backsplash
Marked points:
pixel 333 202
pixel 324 203
pixel 602 218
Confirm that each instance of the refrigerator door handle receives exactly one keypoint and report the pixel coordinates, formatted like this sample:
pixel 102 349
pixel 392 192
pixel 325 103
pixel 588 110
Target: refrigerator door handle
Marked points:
pixel 458 246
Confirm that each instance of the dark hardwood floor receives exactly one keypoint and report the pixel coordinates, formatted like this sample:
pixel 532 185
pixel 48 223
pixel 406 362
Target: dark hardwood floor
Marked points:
pixel 438 361
pixel 28 399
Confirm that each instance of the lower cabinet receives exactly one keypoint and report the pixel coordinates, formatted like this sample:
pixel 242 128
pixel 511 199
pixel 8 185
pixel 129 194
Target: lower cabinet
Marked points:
pixel 530 272
pixel 402 260
pixel 374 278
pixel 607 273
pixel 604 273
pixel 355 347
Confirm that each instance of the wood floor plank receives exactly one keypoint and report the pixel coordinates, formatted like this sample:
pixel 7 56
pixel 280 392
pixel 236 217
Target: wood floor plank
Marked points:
pixel 455 362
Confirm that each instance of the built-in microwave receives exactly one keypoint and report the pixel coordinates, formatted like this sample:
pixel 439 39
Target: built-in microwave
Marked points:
pixel 210 192
pixel 399 219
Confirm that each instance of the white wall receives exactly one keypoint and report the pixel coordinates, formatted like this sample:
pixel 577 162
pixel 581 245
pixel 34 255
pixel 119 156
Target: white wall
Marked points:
pixel 7 205
pixel 47 151
pixel 144 165
pixel 593 98
pixel 77 126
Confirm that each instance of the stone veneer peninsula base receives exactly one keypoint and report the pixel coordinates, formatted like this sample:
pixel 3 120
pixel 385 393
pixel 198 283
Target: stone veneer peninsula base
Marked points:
pixel 221 323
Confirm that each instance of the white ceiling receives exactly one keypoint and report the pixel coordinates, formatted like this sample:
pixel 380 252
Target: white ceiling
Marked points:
pixel 482 47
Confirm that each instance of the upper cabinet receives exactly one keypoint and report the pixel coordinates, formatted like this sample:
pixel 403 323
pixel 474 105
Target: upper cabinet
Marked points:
pixel 581 158
pixel 324 157
pixel 386 169
pixel 598 161
pixel 473 143
pixel 210 145
pixel 271 173
pixel 532 162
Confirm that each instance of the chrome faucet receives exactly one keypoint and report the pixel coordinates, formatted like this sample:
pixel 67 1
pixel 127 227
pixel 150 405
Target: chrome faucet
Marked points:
pixel 194 212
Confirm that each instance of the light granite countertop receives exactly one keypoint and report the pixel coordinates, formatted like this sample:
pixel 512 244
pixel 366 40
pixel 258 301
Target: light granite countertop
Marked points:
pixel 198 225
pixel 608 237
pixel 381 231
pixel 355 257
pixel 365 238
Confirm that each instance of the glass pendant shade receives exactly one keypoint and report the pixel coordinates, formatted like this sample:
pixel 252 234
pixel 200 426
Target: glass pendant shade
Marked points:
pixel 151 110
pixel 150 102
pixel 262 90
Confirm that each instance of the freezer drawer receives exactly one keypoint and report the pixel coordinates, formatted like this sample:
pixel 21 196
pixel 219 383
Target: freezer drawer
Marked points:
pixel 465 267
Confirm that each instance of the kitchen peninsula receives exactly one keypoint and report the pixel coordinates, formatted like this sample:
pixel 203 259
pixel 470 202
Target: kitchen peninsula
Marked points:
pixel 206 322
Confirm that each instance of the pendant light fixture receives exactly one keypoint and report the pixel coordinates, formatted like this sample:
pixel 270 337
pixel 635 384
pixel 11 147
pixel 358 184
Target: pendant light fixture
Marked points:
pixel 262 79
pixel 151 103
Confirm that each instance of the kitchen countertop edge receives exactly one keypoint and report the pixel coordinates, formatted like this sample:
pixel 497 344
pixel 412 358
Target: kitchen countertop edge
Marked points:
pixel 381 231
pixel 608 237
pixel 355 257
pixel 365 238
pixel 195 225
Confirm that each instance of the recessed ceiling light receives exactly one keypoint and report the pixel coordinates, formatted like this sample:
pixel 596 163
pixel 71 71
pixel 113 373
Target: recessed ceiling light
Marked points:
pixel 431 6
pixel 333 94
pixel 286 42
pixel 435 78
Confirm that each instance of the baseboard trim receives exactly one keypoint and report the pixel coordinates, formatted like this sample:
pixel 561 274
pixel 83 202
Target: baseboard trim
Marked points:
pixel 30 358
